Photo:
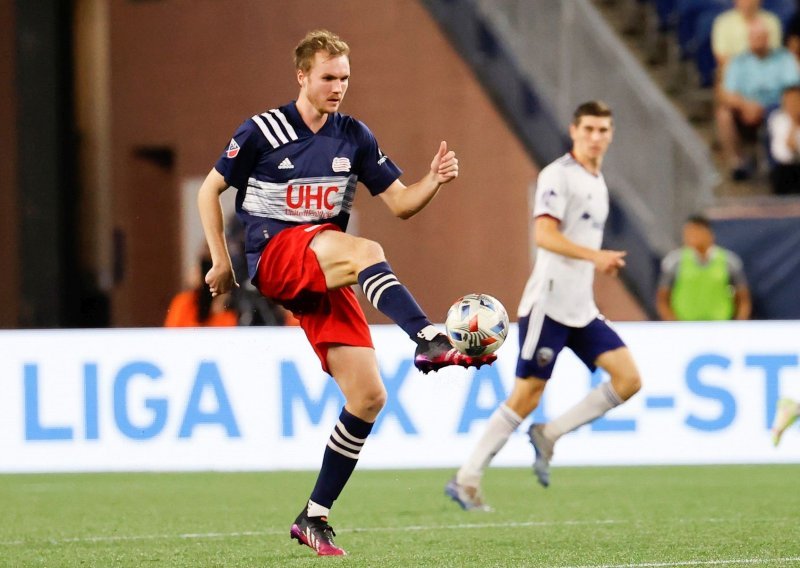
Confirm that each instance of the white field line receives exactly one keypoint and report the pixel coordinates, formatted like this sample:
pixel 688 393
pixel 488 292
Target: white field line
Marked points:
pixel 415 528
pixel 410 528
pixel 728 562
pixel 270 532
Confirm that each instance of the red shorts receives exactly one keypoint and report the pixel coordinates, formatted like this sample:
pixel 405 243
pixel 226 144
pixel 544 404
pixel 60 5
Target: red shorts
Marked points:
pixel 289 273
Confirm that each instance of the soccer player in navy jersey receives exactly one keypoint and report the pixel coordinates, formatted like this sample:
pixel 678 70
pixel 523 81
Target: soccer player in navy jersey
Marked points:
pixel 557 309
pixel 295 169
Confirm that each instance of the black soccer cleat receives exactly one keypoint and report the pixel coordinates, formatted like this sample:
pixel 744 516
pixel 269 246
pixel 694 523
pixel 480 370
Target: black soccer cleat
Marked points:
pixel 316 533
pixel 434 354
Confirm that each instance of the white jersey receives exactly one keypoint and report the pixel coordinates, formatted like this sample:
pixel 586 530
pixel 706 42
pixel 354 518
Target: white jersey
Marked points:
pixel 561 287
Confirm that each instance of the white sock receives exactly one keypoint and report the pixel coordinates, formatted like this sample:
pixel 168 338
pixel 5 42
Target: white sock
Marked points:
pixel 599 401
pixel 428 332
pixel 501 425
pixel 316 510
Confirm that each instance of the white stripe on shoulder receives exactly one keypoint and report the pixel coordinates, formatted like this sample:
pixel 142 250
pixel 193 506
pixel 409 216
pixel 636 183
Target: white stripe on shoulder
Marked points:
pixel 275 128
pixel 289 130
pixel 265 130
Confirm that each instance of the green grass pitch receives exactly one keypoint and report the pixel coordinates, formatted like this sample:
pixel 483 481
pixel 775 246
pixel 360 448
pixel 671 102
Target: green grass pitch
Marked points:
pixel 612 517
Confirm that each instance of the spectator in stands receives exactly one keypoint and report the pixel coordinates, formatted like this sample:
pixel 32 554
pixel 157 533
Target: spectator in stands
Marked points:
pixel 197 308
pixel 729 35
pixel 783 127
pixel 701 281
pixel 752 86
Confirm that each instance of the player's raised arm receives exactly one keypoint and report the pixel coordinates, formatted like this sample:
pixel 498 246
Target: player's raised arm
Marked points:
pixel 220 278
pixel 444 165
pixel 407 201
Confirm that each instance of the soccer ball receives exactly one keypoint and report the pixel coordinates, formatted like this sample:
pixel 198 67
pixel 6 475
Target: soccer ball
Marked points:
pixel 477 324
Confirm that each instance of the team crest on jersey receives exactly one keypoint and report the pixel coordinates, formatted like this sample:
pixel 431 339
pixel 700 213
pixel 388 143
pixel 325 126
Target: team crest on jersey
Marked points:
pixel 543 356
pixel 341 164
pixel 233 149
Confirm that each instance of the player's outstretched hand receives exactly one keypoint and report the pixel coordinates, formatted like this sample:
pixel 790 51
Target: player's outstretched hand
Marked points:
pixel 610 261
pixel 444 166
pixel 220 279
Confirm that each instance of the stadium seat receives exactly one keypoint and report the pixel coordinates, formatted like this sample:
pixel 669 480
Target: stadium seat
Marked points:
pixel 688 12
pixel 667 12
pixel 702 54
pixel 784 9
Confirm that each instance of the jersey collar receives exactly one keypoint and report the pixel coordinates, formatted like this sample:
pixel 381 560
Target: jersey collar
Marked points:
pixel 299 124
pixel 599 173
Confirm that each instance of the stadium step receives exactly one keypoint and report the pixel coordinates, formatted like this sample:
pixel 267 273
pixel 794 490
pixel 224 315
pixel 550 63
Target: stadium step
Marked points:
pixel 636 24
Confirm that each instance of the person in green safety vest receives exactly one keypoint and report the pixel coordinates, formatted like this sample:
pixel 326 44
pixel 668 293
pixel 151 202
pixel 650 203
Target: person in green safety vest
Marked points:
pixel 702 281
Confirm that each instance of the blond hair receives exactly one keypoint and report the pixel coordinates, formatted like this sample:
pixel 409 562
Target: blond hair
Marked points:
pixel 318 40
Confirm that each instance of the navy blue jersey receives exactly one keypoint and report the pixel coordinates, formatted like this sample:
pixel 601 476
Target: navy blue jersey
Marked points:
pixel 285 175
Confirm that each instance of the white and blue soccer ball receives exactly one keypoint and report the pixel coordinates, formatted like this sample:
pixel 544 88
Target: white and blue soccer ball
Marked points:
pixel 477 324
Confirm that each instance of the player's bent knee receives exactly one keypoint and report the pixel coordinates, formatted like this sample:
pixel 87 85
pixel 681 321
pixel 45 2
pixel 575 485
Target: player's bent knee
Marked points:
pixel 635 384
pixel 369 252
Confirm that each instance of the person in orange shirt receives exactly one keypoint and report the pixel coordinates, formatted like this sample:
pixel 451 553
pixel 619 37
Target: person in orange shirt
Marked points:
pixel 197 308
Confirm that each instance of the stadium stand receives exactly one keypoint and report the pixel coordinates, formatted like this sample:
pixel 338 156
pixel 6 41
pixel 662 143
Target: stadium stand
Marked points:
pixel 762 228
pixel 510 46
pixel 666 98
pixel 690 23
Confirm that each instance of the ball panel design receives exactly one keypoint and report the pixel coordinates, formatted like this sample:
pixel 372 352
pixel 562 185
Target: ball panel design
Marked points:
pixel 477 324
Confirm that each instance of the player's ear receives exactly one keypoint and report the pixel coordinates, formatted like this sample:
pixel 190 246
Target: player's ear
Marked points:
pixel 300 77
pixel 573 131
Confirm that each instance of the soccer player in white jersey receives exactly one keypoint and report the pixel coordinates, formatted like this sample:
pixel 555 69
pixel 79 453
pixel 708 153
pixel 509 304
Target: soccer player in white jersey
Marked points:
pixel 295 169
pixel 557 309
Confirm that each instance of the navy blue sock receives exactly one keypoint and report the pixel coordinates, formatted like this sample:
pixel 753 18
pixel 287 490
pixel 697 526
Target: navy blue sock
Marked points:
pixel 341 456
pixel 385 292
